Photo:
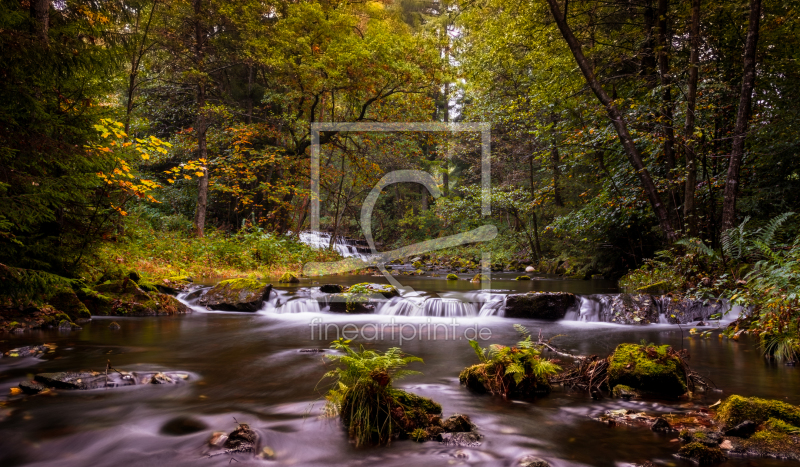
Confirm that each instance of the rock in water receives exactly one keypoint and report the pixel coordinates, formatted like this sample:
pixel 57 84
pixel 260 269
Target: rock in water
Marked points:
pixel 661 425
pixel 743 430
pixel 114 326
pixel 237 295
pixel 461 439
pixel 530 269
pixel 183 425
pixel 242 439
pixel 32 387
pixel 331 288
pixel 458 422
pixel 652 369
pixel 288 278
pixel 533 461
pixel 702 454
pixel 160 378
pixel 539 305
pixel 633 309
pixel 64 380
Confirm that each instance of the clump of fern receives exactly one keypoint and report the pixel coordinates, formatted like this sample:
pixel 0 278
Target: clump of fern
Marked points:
pixel 519 370
pixel 362 395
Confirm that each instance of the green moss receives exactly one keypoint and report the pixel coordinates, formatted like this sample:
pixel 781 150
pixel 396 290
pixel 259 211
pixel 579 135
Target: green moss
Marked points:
pixel 417 265
pixel 67 301
pixel 702 454
pixel 479 277
pixel 419 435
pixel 288 278
pixel 452 277
pixel 242 283
pixel 779 426
pixel 622 391
pixel 386 290
pixel 522 278
pixel 736 409
pixel 649 369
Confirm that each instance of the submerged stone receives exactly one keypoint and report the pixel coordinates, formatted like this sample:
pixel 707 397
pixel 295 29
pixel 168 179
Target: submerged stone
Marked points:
pixel 460 439
pixel 539 305
pixel 32 387
pixel 237 295
pixel 64 380
pixel 533 461
pixel 183 425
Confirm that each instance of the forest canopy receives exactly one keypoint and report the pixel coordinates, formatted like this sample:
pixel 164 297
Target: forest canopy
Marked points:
pixel 617 128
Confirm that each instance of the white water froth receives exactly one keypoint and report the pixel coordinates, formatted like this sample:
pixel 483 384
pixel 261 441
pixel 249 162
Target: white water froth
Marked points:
pixel 322 240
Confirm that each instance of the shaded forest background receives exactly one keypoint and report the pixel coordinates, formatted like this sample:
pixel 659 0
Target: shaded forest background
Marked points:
pixel 178 132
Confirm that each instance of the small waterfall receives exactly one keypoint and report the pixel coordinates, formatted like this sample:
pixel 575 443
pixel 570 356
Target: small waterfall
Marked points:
pixel 346 247
pixel 299 305
pixel 590 308
pixel 493 305
pixel 438 307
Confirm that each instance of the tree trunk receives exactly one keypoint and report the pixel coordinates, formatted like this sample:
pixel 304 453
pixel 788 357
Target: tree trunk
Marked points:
pixel 667 108
pixel 688 129
pixel 619 123
pixel 201 126
pixel 555 158
pixel 742 117
pixel 40 12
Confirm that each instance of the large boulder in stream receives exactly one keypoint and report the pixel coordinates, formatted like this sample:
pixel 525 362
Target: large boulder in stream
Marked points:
pixel 539 305
pixel 633 309
pixel 649 369
pixel 364 297
pixel 679 310
pixel 126 298
pixel 237 295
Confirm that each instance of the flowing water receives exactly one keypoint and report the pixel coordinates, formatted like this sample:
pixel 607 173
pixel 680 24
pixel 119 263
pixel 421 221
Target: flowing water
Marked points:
pixel 248 367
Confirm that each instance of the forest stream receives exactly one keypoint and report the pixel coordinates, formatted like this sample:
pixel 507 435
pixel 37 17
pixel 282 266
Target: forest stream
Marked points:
pixel 250 368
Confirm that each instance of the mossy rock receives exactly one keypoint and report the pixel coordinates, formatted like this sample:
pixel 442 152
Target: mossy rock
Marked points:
pixel 68 302
pixel 769 443
pixel 361 298
pixel 539 305
pixel 736 409
pixel 237 295
pixel 452 277
pixel 522 278
pixel 648 369
pixel 288 278
pixel 476 378
pixel 621 391
pixel 417 265
pixel 479 278
pixel 386 290
pixel 122 297
pixel 702 454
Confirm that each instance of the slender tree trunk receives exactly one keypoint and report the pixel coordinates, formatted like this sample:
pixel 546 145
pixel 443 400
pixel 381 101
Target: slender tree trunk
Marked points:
pixel 40 12
pixel 446 158
pixel 619 123
pixel 667 108
pixel 136 60
pixel 201 126
pixel 536 238
pixel 249 94
pixel 688 129
pixel 742 117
